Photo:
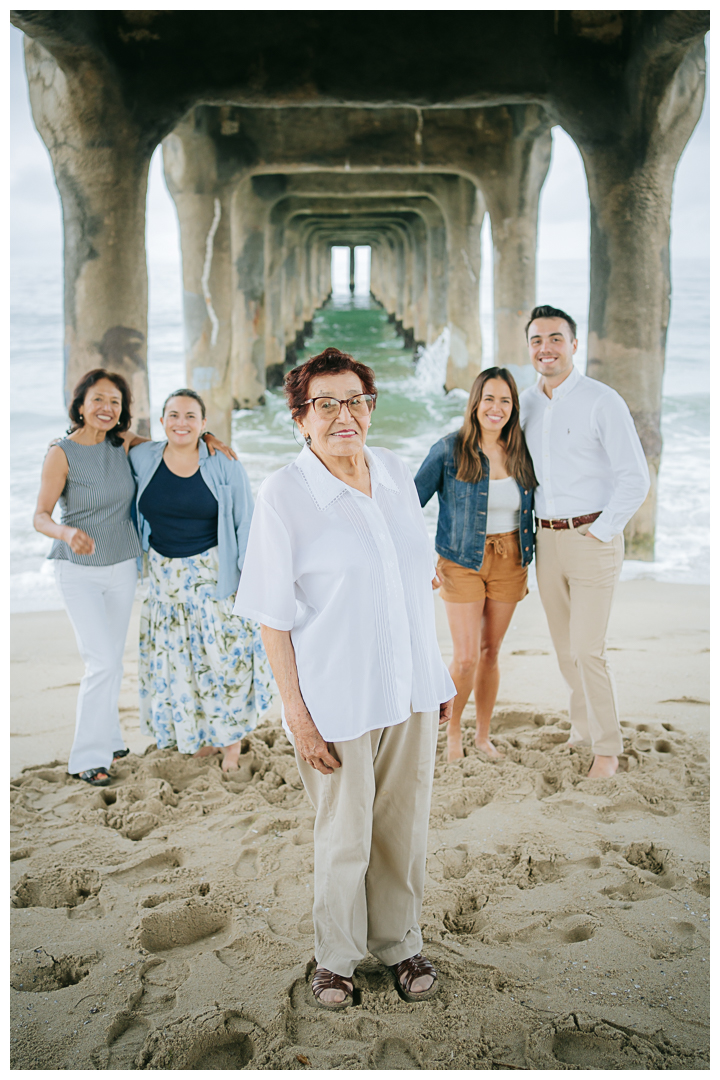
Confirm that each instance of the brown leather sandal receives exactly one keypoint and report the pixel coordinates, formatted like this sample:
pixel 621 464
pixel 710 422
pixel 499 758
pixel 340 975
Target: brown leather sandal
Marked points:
pixel 323 979
pixel 407 971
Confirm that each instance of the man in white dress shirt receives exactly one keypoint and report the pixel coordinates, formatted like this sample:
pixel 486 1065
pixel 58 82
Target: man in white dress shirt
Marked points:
pixel 592 477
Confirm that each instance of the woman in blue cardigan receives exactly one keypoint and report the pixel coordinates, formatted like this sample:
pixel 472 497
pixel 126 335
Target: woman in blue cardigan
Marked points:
pixel 484 479
pixel 203 674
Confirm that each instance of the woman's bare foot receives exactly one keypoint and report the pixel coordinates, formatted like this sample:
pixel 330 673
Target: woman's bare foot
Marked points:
pixel 603 765
pixel 231 754
pixel 487 748
pixel 454 745
pixel 206 751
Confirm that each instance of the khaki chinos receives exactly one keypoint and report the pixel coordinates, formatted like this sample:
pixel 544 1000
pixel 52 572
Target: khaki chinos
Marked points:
pixel 576 576
pixel 371 829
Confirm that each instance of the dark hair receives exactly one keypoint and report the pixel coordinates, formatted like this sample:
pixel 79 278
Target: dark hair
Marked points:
pixel 329 362
pixel 79 393
pixel 468 440
pixel 546 311
pixel 184 392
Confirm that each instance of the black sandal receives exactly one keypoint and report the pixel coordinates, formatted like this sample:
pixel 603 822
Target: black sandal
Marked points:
pixel 90 776
pixel 120 753
pixel 324 979
pixel 407 971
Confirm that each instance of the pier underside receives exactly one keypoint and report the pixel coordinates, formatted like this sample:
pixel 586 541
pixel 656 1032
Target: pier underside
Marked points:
pixel 287 133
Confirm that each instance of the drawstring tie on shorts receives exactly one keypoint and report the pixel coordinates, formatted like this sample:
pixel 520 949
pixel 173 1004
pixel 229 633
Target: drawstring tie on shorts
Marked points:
pixel 499 545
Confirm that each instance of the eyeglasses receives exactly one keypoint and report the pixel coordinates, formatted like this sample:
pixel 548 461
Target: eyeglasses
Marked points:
pixel 329 407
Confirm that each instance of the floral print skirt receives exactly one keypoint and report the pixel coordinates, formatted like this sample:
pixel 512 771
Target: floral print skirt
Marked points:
pixel 204 677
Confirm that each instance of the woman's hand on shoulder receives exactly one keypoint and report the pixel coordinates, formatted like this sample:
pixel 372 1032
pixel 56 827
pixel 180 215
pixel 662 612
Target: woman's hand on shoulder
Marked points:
pixel 213 444
pixel 131 439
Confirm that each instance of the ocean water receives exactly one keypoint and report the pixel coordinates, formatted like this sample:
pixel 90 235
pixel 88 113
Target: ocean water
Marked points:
pixel 412 409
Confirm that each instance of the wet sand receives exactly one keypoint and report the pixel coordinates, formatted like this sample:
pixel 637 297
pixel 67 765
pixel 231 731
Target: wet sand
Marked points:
pixel 164 922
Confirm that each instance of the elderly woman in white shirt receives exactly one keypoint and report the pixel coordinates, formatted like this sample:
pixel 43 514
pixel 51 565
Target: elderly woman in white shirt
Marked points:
pixel 339 573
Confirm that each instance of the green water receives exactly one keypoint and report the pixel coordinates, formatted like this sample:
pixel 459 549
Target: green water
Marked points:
pixel 412 409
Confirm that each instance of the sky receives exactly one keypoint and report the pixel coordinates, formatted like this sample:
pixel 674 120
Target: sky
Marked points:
pixel 564 224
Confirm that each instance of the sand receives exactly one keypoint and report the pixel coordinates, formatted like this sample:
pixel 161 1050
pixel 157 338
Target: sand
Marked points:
pixel 164 922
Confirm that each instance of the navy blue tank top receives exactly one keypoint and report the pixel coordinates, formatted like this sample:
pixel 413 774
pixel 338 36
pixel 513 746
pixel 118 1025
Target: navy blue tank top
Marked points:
pixel 182 512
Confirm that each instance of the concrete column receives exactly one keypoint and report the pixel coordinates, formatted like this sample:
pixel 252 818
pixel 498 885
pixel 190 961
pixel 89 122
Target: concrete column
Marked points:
pixel 204 212
pixel 420 283
pixel 630 184
pixel 251 205
pixel 515 169
pixel 352 269
pixel 100 161
pixel 464 209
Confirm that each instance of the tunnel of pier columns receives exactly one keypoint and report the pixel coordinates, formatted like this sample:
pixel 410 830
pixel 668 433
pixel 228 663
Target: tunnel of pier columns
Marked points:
pixel 287 133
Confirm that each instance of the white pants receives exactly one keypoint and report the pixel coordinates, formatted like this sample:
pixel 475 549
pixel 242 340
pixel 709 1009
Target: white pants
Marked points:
pixel 99 601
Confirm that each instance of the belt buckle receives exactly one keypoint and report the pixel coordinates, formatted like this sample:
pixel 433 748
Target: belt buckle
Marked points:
pixel 552 524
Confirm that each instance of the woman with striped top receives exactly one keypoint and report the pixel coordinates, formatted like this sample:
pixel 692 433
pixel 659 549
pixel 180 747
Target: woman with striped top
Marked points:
pixel 95 551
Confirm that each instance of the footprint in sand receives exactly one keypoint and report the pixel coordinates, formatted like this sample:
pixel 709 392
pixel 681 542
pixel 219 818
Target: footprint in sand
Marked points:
pixel 677 940
pixel 394 1053
pixel 56 888
pixel 590 1051
pixel 565 929
pixel 548 783
pixel 125 1038
pixel 19 853
pixel 183 923
pixel 455 862
pixel 701 885
pixel 246 866
pixel 646 857
pixel 155 899
pixel 149 867
pixel 217 1039
pixel 633 889
pixel 465 916
pixel 306 926
pixel 37 971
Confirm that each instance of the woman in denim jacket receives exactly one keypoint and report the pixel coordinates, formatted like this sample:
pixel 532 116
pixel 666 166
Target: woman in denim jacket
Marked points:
pixel 484 478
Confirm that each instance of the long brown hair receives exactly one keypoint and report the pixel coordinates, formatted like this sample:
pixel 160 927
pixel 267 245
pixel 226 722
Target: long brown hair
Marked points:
pixel 468 441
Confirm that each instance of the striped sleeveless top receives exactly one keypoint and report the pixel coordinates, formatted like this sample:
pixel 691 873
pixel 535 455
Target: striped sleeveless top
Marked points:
pixel 97 498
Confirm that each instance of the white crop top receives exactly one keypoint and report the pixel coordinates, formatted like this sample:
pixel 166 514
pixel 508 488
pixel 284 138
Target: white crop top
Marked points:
pixel 503 510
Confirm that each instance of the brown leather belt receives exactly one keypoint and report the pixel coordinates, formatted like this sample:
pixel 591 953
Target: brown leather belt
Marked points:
pixel 564 523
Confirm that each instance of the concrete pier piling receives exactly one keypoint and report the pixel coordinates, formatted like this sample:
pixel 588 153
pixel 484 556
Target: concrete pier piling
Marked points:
pixel 271 163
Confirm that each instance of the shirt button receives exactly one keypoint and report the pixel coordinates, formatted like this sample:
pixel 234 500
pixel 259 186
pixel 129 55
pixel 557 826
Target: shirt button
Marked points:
pixel 524 530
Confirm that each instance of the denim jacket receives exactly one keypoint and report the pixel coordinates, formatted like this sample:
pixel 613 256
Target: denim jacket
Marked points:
pixel 229 483
pixel 460 535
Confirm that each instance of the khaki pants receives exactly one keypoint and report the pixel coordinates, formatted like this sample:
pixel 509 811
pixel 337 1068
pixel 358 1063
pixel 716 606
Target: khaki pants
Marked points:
pixel 371 829
pixel 577 575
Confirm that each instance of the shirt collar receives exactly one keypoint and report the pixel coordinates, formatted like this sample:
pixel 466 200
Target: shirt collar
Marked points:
pixel 325 488
pixel 563 389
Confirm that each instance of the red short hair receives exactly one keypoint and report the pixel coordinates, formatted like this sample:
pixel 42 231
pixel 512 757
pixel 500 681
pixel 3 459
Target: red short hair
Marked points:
pixel 329 362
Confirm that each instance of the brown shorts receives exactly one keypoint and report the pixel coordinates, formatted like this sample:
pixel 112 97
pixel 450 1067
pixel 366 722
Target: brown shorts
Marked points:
pixel 501 576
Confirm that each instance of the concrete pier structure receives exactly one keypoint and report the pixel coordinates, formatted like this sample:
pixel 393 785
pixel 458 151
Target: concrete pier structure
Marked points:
pixel 278 145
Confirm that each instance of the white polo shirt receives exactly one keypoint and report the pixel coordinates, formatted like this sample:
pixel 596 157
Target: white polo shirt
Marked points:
pixel 586 453
pixel 350 577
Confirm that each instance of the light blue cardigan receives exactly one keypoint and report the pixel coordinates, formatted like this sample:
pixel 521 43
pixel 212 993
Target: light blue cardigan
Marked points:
pixel 229 483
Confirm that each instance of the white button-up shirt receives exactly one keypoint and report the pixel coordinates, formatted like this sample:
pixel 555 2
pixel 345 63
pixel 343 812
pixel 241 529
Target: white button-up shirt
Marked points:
pixel 350 577
pixel 586 453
